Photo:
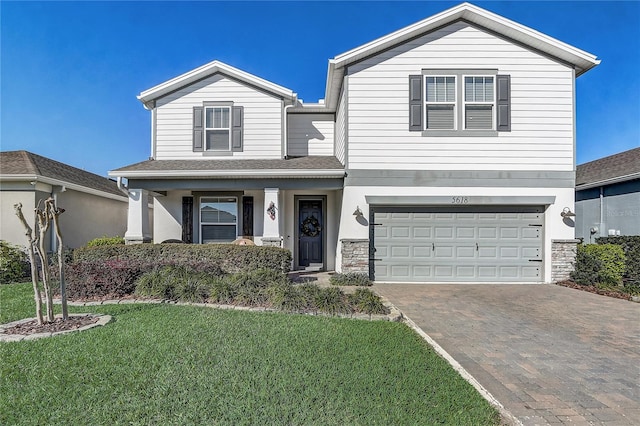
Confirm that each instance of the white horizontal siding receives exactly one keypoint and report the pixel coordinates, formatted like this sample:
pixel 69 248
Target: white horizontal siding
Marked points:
pixel 341 127
pixel 310 134
pixel 262 119
pixel 542 111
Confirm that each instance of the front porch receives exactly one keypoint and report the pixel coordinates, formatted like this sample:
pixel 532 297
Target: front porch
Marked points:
pixel 304 220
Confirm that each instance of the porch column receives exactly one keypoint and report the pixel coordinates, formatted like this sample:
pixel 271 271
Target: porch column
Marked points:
pixel 271 218
pixel 138 217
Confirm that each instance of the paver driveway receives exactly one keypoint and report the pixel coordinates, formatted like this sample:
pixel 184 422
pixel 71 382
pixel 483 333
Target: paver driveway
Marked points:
pixel 549 354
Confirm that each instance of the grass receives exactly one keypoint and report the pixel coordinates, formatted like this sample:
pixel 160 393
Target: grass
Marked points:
pixel 165 364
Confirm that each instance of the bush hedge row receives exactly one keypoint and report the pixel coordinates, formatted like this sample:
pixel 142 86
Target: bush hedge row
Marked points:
pixel 631 247
pixel 599 264
pixel 259 288
pixel 229 258
pixel 14 265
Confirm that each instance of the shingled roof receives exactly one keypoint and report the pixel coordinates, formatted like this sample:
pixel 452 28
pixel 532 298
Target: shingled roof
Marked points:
pixel 314 165
pixel 615 168
pixel 25 163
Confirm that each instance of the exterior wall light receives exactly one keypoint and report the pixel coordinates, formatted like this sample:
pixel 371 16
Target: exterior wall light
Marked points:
pixel 566 212
pixel 358 212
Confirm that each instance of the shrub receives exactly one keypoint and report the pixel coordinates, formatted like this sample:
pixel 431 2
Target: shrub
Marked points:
pixel 350 279
pixel 601 264
pixel 366 301
pixel 286 297
pixel 220 290
pixel 631 247
pixel 106 241
pixel 332 300
pixel 102 279
pixel 228 258
pixel 14 265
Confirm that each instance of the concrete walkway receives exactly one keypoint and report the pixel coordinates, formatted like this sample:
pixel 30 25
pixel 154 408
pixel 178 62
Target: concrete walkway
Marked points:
pixel 548 354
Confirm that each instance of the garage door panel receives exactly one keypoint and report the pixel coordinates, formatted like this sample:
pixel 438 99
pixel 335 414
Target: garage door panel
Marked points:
pixel 443 252
pixel 401 252
pixel 400 232
pixel 488 272
pixel 531 233
pixel 443 272
pixel 422 252
pixel 509 252
pixel 465 253
pixel 530 272
pixel 443 232
pixel 465 232
pixel 509 233
pixel 421 232
pixel 465 272
pixel 489 253
pixel 531 252
pixel 487 233
pixel 400 271
pixel 438 244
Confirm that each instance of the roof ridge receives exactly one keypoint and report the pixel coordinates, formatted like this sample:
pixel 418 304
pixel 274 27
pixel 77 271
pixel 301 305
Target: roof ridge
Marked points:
pixel 29 158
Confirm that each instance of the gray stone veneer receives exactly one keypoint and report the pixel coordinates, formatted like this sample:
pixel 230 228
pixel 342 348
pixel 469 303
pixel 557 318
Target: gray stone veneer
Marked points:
pixel 563 259
pixel 355 256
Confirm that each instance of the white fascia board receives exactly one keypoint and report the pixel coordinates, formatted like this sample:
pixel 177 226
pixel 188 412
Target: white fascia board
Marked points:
pixel 68 185
pixel 210 69
pixel 154 174
pixel 606 182
pixel 484 18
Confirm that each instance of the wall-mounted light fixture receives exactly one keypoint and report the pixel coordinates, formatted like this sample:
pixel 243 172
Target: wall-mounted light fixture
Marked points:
pixel 566 212
pixel 358 212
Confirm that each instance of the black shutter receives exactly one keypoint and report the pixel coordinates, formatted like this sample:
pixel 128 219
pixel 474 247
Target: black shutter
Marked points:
pixel 247 216
pixel 503 103
pixel 415 103
pixel 198 128
pixel 236 128
pixel 187 219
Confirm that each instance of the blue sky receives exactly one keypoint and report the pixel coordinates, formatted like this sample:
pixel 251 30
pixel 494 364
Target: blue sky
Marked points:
pixel 70 71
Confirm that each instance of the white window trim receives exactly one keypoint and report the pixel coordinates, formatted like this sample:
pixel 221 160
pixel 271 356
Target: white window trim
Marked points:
pixel 465 102
pixel 427 103
pixel 203 199
pixel 228 129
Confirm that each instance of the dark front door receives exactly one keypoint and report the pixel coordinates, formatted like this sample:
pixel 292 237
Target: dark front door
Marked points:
pixel 310 232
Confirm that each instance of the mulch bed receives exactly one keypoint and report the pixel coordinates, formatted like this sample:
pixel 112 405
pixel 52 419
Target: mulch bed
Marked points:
pixel 596 290
pixel 32 327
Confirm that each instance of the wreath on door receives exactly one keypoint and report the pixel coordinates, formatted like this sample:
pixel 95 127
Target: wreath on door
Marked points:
pixel 310 227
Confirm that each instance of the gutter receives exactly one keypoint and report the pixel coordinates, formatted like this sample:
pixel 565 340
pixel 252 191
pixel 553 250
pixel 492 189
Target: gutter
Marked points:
pixel 606 182
pixel 56 182
pixel 141 174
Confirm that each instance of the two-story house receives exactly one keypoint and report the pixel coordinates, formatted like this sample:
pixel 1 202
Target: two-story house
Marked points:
pixel 443 152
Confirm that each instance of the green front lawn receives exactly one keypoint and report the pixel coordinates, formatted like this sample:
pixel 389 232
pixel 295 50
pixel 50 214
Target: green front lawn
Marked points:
pixel 165 364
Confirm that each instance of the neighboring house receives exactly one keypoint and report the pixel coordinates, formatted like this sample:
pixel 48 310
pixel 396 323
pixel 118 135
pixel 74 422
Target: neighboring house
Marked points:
pixel 608 196
pixel 94 206
pixel 443 152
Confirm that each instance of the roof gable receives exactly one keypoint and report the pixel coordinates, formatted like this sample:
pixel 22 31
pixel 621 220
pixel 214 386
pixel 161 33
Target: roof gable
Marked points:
pixel 581 60
pixel 215 67
pixel 614 168
pixel 23 163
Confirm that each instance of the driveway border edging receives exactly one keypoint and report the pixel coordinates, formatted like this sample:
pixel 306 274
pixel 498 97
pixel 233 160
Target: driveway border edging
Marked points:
pixel 506 414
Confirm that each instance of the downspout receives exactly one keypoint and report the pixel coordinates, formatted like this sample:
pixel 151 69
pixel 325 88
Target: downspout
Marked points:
pixel 286 123
pixel 121 186
pixel 602 224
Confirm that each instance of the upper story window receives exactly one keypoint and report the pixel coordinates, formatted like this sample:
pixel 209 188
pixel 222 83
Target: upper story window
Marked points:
pixel 217 128
pixel 440 102
pixel 478 102
pixel 459 103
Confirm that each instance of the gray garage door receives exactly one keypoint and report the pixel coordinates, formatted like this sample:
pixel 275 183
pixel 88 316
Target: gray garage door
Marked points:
pixel 461 244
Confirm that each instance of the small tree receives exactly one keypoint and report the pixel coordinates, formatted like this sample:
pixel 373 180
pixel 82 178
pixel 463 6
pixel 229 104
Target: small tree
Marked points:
pixel 44 218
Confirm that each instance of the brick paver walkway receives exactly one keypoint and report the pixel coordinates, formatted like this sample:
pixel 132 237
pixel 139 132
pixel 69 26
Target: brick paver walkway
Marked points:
pixel 549 354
